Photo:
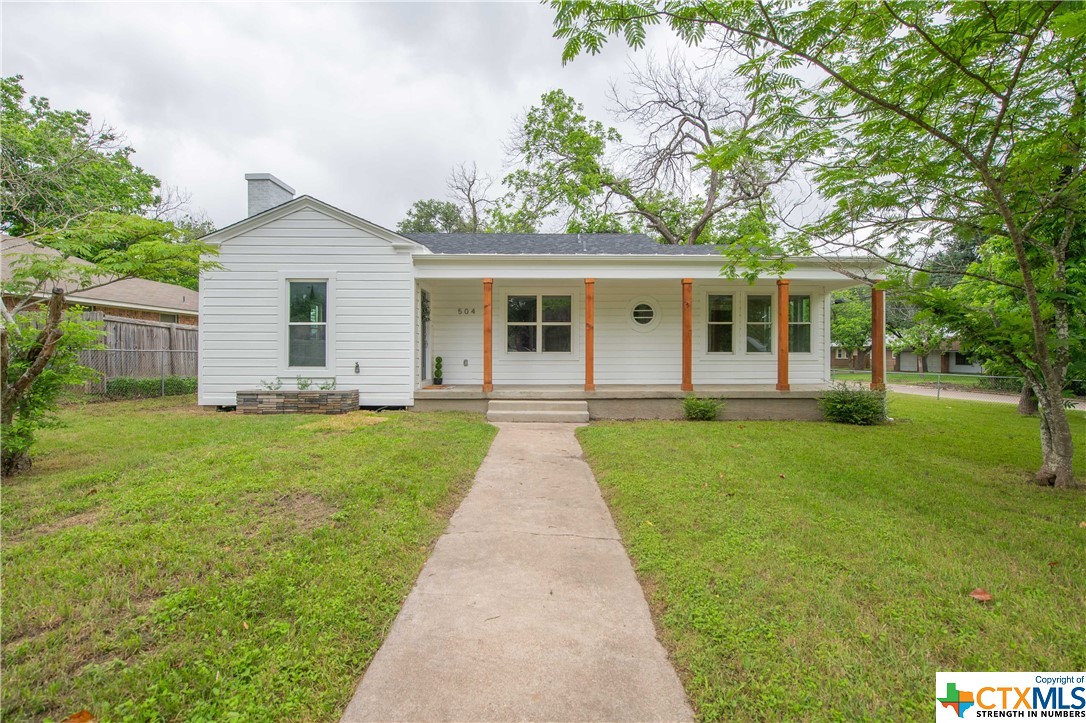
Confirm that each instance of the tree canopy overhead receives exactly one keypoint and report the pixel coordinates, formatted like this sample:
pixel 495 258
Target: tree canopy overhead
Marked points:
pixel 70 185
pixel 928 119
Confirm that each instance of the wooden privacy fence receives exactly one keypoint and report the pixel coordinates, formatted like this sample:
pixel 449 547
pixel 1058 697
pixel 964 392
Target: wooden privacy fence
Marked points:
pixel 140 350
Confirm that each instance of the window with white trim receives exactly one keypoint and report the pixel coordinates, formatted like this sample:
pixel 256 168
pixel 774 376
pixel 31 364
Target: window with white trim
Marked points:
pixel 799 324
pixel 760 324
pixel 840 353
pixel 307 324
pixel 721 322
pixel 539 323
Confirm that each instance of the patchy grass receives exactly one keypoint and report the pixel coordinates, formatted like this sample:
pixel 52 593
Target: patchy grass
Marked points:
pixel 818 571
pixel 164 562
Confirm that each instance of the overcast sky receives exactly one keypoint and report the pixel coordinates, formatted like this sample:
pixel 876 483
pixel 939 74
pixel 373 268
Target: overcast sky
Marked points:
pixel 365 106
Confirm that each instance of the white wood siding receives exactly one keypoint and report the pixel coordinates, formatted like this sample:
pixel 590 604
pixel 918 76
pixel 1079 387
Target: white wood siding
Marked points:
pixel 371 310
pixel 624 353
pixel 457 337
pixel 629 355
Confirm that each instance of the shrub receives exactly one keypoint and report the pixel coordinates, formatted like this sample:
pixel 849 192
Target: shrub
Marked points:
pixel 701 410
pixel 853 404
pixel 131 388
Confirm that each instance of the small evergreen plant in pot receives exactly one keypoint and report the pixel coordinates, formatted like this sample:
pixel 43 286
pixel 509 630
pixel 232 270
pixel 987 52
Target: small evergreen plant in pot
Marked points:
pixel 854 404
pixel 437 370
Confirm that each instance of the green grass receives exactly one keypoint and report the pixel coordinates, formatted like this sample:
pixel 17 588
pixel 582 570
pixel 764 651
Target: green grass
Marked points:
pixel 163 562
pixel 820 571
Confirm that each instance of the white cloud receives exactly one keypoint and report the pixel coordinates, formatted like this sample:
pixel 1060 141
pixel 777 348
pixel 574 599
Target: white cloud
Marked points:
pixel 366 106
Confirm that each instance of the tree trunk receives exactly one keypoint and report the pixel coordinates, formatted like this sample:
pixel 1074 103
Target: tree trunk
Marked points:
pixel 1027 401
pixel 12 462
pixel 1057 447
pixel 922 363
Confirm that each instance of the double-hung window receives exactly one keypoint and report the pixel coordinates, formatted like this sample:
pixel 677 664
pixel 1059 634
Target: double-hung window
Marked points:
pixel 307 324
pixel 759 323
pixel 540 323
pixel 721 320
pixel 799 324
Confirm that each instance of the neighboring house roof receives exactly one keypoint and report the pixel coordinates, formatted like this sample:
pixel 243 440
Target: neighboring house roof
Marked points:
pixel 563 244
pixel 125 294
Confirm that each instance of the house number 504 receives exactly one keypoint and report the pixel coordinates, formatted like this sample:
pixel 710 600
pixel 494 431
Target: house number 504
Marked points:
pixel 463 311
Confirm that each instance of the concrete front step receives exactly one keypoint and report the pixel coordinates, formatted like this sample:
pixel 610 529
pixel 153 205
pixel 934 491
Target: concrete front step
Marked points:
pixel 518 410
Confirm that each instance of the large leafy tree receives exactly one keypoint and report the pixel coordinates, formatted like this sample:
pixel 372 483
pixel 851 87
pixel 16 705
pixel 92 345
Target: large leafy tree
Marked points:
pixel 69 187
pixel 850 321
pixel 699 168
pixel 926 119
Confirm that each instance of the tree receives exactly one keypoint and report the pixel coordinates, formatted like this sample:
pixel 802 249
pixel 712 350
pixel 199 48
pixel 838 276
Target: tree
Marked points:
pixel 469 190
pixel 701 171
pixel 433 216
pixel 922 338
pixel 928 118
pixel 70 187
pixel 62 171
pixel 850 321
pixel 467 211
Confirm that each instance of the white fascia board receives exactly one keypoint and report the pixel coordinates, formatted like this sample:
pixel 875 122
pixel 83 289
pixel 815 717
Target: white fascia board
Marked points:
pixel 472 266
pixel 398 242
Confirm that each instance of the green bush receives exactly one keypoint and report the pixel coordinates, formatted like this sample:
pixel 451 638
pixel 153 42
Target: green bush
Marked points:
pixel 853 404
pixel 701 410
pixel 131 388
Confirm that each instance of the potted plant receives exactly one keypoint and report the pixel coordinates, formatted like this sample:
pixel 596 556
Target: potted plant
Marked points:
pixel 437 370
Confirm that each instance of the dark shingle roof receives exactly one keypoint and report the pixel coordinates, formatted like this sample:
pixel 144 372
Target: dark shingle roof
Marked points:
pixel 590 244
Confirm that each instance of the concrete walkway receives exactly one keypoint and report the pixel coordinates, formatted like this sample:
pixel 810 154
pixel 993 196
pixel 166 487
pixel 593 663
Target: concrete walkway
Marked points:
pixel 528 608
pixel 953 394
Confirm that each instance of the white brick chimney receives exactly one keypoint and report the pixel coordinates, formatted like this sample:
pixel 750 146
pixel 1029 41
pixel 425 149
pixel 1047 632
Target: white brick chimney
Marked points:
pixel 266 191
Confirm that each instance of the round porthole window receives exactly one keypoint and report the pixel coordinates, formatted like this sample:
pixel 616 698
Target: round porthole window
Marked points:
pixel 643 314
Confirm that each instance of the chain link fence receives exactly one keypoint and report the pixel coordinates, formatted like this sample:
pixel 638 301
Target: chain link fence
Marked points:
pixel 973 387
pixel 139 373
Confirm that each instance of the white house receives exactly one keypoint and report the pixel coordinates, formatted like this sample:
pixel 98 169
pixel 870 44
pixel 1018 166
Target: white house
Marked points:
pixel 618 321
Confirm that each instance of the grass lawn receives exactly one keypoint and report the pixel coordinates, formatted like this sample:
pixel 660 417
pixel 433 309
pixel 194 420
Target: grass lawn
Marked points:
pixel 819 571
pixel 163 562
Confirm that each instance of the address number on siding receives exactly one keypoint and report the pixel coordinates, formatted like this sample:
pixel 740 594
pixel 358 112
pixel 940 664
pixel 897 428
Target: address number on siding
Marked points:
pixel 465 311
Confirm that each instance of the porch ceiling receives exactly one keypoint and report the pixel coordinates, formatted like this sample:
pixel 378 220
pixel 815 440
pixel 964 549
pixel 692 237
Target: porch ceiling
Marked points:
pixel 627 267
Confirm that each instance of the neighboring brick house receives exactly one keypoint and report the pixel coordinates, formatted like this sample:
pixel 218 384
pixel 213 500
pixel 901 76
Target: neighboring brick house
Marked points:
pixel 130 298
pixel 842 358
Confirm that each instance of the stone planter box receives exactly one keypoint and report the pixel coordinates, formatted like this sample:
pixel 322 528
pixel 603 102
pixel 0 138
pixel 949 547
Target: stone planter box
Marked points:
pixel 293 401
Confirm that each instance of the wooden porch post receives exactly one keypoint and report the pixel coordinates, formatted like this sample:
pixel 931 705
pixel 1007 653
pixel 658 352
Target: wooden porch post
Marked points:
pixel 782 335
pixel 589 334
pixel 688 335
pixel 878 339
pixel 488 335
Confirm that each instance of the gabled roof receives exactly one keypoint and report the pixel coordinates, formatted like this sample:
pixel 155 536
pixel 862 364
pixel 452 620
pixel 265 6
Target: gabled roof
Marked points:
pixel 560 244
pixel 126 293
pixel 297 204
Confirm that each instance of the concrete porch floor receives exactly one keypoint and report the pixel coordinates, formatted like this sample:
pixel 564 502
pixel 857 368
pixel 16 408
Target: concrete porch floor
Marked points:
pixel 618 391
pixel 619 401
